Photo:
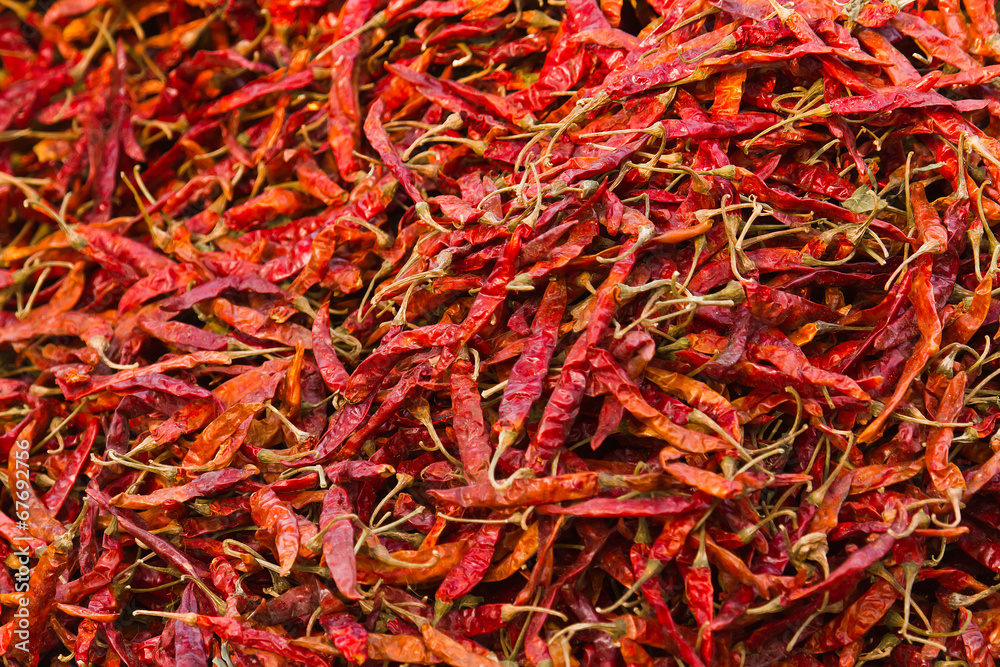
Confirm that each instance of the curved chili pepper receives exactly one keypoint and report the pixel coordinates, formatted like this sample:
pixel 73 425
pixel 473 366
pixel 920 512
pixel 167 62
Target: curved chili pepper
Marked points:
pixel 277 518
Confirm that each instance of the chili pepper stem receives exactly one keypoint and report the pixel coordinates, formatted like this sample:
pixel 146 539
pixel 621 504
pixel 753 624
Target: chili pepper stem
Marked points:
pixel 956 600
pixel 817 496
pixel 737 258
pixel 509 611
pixel 189 618
pixel 893 619
pixel 702 419
pixel 583 107
pixel 910 571
pixel 645 234
pixel 100 345
pixel 301 437
pixel 919 520
pixel 423 416
pixel 652 569
pixel 168 472
pixel 507 438
pixel 35 199
pixel 382 238
pixel 452 122
pixel 22 313
pixel 271 456
pixel 441 269
pixel 811 546
pixel 524 629
pixel 762 454
pixel 954 497
pixel 376 21
pixel 746 534
pixel 610 628
pixel 399 610
pixel 273 569
pixel 821 111
pixel 805 624
pixel 381 530
pixel 55 431
pixel 727 43
pixel 102 38
pixel 773 606
pixel 402 481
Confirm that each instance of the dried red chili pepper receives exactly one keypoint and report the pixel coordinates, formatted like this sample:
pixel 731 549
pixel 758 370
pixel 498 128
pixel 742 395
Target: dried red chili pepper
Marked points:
pixel 41 587
pixel 205 484
pixel 338 541
pixel 524 385
pixel 276 518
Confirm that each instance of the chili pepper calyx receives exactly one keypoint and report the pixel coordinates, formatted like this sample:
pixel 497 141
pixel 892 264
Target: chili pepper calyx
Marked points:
pixel 521 283
pixel 811 546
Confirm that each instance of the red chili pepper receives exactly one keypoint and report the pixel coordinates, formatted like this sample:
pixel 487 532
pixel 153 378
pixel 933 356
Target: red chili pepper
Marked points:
pixel 857 619
pixel 471 569
pixel 523 491
pixel 469 423
pixel 181 335
pixel 611 375
pixel 56 496
pixel 276 518
pixel 934 42
pixel 946 477
pixel 524 385
pixel 968 323
pixel 338 541
pixel 640 507
pixel 135 526
pixel 41 588
pixel 40 522
pixel 330 367
pixel 189 645
pixel 842 580
pixel 930 329
pixel 203 485
pixel 243 635
pixel 380 142
pixel 219 442
pixel 699 591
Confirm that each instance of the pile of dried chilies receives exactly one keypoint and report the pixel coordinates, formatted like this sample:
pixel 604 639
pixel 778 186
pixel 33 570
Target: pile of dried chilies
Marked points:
pixel 473 332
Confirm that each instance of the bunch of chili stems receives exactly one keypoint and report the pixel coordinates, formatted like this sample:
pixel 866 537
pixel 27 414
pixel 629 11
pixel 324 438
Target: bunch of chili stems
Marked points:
pixel 469 332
